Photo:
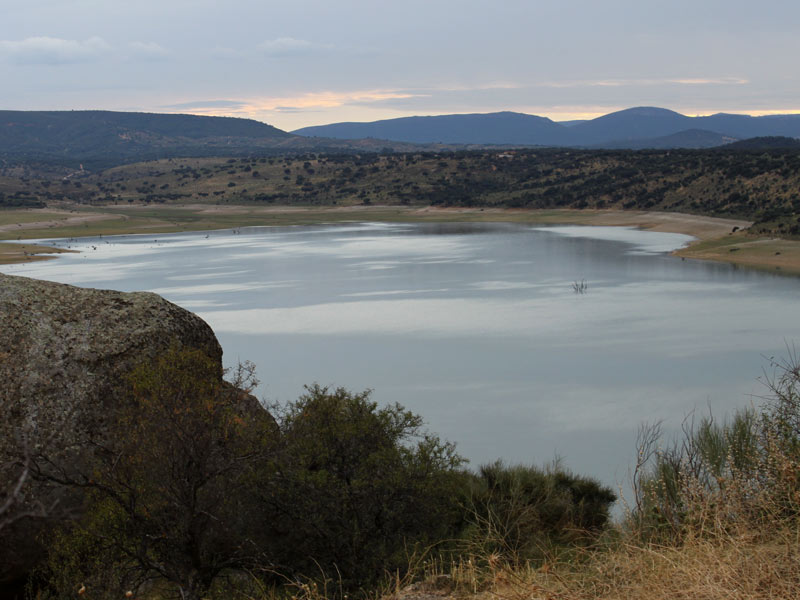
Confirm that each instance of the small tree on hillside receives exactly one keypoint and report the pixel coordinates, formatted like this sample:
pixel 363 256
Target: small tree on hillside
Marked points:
pixel 166 486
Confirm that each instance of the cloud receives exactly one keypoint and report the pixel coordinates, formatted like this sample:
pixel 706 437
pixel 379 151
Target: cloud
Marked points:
pixel 291 109
pixel 310 102
pixel 148 50
pixel 201 105
pixel 621 82
pixel 288 47
pixel 52 51
pixel 328 99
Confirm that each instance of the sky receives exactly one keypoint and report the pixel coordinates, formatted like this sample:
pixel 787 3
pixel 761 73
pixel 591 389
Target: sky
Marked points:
pixel 297 63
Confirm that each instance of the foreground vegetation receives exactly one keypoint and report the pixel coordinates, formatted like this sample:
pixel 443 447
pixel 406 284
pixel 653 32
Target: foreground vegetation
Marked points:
pixel 189 496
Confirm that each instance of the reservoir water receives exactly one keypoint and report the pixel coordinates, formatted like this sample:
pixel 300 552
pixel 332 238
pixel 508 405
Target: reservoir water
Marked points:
pixel 475 327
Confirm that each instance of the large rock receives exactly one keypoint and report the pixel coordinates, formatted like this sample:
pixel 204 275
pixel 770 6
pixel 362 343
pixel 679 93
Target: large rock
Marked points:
pixel 67 350
pixel 61 342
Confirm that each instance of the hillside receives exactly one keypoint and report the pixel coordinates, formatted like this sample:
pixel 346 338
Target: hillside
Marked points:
pixel 757 186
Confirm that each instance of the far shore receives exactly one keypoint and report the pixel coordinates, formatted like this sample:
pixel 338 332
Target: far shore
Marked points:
pixel 716 238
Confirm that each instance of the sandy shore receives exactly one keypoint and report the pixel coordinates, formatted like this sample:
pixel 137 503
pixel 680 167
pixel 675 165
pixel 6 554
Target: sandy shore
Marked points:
pixel 55 223
pixel 717 239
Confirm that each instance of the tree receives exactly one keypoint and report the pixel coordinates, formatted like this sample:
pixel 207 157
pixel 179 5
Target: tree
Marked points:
pixel 27 505
pixel 167 484
pixel 355 484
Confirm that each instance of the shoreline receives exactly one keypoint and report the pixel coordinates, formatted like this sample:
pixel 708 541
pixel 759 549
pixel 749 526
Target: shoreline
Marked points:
pixel 717 239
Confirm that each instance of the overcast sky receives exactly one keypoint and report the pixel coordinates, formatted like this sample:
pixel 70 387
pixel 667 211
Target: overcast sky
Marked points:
pixel 309 62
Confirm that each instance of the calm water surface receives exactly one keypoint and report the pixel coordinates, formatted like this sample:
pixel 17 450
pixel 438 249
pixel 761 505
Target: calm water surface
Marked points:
pixel 475 327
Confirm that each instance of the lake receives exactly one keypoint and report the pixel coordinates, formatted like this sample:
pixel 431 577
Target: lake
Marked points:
pixel 476 327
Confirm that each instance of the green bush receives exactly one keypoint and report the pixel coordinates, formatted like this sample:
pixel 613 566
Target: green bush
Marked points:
pixel 522 512
pixel 355 486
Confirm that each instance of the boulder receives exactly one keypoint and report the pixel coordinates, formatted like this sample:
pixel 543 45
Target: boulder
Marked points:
pixel 62 342
pixel 64 351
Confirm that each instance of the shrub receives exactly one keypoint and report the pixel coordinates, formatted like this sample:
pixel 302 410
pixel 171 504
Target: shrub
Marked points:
pixel 521 512
pixel 356 485
pixel 716 478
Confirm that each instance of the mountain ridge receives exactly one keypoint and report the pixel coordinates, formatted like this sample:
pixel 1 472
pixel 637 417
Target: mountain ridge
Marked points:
pixel 636 125
pixel 99 139
pixel 105 138
pixel 503 127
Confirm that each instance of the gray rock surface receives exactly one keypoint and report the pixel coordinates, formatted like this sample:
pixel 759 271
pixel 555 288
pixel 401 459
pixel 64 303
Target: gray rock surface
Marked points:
pixel 68 350
pixel 62 342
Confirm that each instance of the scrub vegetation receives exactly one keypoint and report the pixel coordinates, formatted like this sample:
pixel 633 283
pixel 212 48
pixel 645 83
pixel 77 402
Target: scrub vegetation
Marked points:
pixel 757 185
pixel 190 496
pixel 332 496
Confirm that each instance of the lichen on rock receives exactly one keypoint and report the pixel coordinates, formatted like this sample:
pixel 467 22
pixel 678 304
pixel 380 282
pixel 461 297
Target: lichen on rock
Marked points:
pixel 65 354
pixel 60 341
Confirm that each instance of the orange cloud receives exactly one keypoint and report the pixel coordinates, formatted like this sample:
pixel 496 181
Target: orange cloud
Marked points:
pixel 308 101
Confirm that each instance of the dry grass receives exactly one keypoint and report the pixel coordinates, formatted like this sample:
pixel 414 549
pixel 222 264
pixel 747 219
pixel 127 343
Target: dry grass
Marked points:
pixel 734 567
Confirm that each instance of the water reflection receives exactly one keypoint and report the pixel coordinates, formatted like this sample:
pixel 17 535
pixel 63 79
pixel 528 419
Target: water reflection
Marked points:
pixel 476 327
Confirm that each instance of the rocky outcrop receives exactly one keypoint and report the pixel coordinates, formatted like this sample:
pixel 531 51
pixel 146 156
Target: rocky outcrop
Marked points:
pixel 68 350
pixel 61 342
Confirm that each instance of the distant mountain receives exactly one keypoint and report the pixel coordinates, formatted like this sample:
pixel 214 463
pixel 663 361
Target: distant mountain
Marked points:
pixel 745 126
pixel 630 124
pixel 506 128
pixel 690 138
pixel 640 127
pixel 572 122
pixel 85 134
pixel 764 143
pixel 100 139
